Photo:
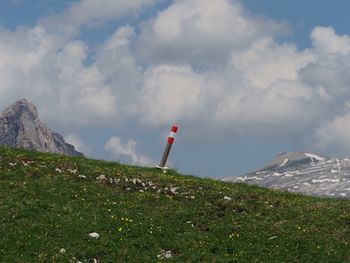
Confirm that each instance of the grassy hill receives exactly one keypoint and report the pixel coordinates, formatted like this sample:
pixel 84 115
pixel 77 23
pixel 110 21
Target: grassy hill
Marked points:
pixel 49 204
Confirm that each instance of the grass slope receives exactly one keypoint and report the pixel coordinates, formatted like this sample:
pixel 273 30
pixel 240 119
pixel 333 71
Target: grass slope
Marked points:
pixel 140 214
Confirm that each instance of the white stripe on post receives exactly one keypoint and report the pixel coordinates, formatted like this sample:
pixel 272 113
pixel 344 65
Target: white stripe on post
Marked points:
pixel 172 134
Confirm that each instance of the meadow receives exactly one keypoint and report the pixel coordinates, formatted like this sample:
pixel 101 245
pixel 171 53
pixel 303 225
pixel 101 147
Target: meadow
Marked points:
pixel 55 208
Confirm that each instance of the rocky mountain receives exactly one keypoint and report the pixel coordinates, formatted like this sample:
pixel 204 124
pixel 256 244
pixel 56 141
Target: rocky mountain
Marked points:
pixel 21 127
pixel 305 173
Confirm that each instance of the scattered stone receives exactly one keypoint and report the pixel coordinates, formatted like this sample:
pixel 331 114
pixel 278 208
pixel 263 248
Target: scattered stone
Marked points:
pixel 81 176
pixel 141 191
pixel 101 177
pixel 94 235
pixel 165 254
pixel 13 164
pixel 72 171
pixel 227 198
pixel 174 190
pixel 58 170
pixel 62 251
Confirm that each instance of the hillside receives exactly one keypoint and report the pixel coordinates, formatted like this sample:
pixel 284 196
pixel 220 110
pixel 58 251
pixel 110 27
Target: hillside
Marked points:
pixel 50 203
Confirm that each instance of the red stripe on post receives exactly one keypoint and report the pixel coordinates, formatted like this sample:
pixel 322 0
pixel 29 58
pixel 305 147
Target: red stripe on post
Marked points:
pixel 171 140
pixel 174 128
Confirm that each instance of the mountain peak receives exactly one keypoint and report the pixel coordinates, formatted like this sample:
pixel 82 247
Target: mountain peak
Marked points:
pixel 21 127
pixel 287 159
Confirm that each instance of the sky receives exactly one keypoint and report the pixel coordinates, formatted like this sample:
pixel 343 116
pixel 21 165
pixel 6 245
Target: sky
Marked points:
pixel 243 80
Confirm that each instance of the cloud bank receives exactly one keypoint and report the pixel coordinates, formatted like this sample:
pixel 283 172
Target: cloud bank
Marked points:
pixel 207 65
pixel 120 150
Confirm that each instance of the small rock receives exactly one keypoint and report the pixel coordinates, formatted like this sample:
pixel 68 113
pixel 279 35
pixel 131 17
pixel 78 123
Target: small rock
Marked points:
pixel 13 164
pixel 81 176
pixel 227 198
pixel 165 254
pixel 94 235
pixel 62 251
pixel 58 170
pixel 174 190
pixel 101 177
pixel 168 254
pixel 72 171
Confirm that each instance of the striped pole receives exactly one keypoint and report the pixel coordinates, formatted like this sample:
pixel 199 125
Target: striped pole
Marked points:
pixel 171 140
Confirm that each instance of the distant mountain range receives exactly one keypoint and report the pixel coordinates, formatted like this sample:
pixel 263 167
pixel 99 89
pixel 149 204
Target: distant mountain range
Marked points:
pixel 303 172
pixel 20 127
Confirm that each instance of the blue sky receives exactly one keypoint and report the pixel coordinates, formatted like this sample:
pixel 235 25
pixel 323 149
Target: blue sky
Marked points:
pixel 244 81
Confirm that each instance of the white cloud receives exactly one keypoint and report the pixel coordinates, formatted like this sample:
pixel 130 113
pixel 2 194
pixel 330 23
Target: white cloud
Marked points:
pixel 201 31
pixel 79 144
pixel 169 93
pixel 266 62
pixel 325 39
pixel 334 135
pixel 208 65
pixel 92 13
pixel 119 150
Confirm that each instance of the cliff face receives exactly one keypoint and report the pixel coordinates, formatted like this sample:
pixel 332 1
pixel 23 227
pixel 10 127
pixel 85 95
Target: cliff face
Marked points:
pixel 21 127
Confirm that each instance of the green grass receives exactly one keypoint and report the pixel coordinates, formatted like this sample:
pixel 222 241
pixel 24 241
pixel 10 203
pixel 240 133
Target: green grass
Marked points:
pixel 43 210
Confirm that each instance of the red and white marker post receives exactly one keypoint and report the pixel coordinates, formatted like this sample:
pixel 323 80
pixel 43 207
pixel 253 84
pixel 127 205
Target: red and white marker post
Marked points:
pixel 171 140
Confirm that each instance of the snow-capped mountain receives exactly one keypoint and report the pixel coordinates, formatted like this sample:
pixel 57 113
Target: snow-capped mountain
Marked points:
pixel 305 173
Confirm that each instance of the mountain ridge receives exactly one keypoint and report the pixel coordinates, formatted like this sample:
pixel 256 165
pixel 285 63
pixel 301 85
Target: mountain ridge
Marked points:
pixel 303 172
pixel 21 127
